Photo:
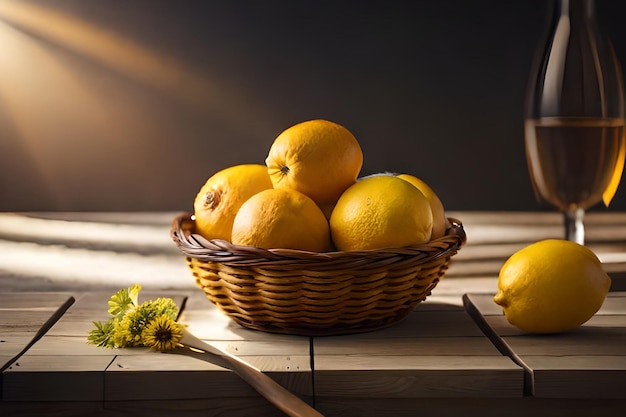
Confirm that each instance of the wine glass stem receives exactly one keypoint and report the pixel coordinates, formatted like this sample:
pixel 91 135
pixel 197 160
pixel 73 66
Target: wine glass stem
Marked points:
pixel 574 227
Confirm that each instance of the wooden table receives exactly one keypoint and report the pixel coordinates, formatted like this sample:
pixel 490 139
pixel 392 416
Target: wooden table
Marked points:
pixel 589 362
pixel 583 371
pixel 62 373
pixel 454 354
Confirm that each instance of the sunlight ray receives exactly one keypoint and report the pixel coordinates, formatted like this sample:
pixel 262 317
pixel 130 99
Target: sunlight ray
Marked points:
pixel 130 58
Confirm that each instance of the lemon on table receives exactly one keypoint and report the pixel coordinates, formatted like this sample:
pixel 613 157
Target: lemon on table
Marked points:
pixel 551 286
pixel 318 158
pixel 281 218
pixel 219 199
pixel 378 212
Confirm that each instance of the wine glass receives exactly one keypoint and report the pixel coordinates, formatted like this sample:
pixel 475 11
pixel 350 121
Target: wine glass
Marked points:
pixel 574 119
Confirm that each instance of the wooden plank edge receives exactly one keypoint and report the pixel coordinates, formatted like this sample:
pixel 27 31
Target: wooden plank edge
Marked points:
pixel 500 344
pixel 42 331
pixel 38 335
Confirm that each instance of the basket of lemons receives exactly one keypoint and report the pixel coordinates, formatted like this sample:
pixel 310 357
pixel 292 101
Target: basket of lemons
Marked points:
pixel 303 246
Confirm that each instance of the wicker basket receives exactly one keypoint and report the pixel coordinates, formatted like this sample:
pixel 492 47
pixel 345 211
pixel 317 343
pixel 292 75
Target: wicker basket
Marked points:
pixel 315 294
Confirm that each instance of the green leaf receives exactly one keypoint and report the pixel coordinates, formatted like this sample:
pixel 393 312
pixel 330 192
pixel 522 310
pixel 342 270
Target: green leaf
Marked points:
pixel 123 301
pixel 102 335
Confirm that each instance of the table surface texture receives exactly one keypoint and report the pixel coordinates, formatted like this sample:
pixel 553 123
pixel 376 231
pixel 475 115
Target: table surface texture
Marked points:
pixel 455 353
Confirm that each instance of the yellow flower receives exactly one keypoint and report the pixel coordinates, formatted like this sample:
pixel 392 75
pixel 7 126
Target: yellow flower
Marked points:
pixel 126 332
pixel 130 321
pixel 162 334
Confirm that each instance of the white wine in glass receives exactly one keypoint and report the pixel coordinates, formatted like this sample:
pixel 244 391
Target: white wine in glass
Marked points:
pixel 574 127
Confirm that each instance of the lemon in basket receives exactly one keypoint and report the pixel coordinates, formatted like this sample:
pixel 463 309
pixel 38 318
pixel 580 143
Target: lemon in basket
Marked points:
pixel 281 218
pixel 378 212
pixel 318 158
pixel 221 196
pixel 551 286
pixel 440 221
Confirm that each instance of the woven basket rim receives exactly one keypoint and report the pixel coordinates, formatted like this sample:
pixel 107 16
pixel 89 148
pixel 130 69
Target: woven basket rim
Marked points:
pixel 217 250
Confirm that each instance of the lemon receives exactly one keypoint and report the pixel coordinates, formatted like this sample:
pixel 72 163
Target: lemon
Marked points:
pixel 221 196
pixel 281 218
pixel 378 212
pixel 318 158
pixel 551 286
pixel 440 221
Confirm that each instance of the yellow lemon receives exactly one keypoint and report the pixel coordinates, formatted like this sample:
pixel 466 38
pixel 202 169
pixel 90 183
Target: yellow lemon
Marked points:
pixel 440 221
pixel 551 286
pixel 221 196
pixel 378 212
pixel 318 158
pixel 281 218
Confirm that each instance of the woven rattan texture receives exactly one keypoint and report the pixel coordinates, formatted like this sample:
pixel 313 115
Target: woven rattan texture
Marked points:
pixel 315 294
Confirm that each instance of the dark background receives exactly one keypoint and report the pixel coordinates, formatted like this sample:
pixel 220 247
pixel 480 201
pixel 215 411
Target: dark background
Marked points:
pixel 133 104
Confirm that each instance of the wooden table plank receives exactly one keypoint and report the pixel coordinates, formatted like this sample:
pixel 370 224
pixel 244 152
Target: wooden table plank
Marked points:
pixel 55 369
pixel 436 352
pixel 12 343
pixel 404 346
pixel 154 375
pixel 34 378
pixel 22 317
pixel 61 346
pixel 63 367
pixel 53 408
pixel 577 376
pixel 194 407
pixel 168 376
pixel 285 358
pixel 425 377
pixel 587 362
pixel 33 301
